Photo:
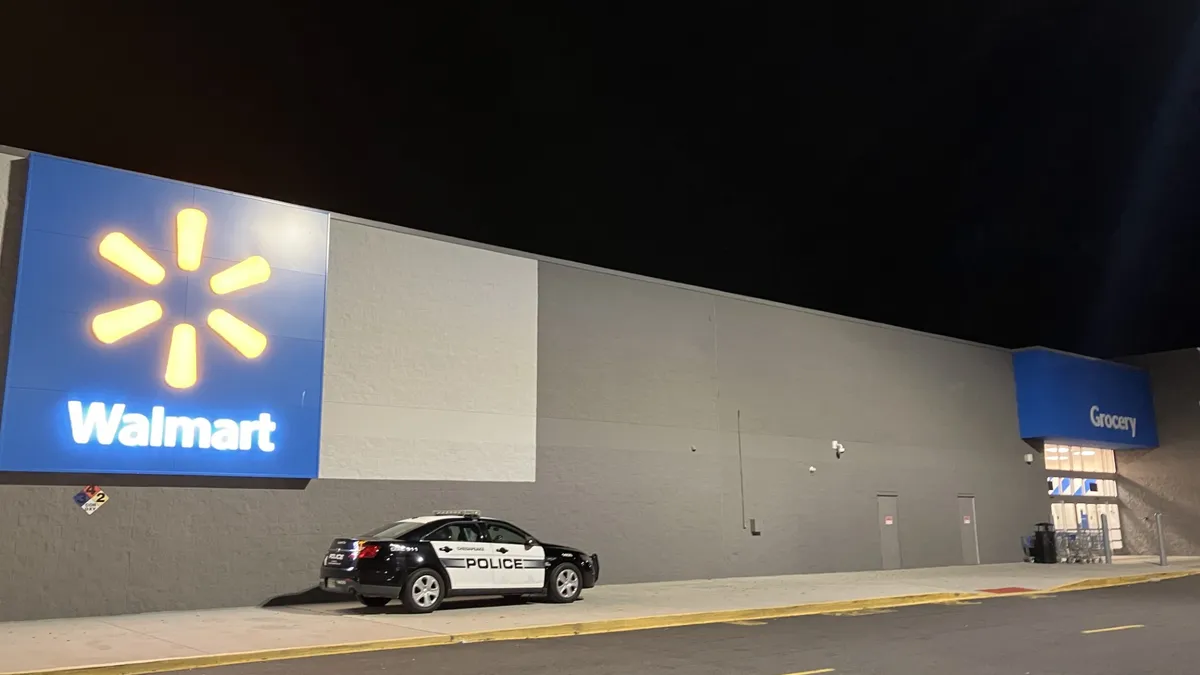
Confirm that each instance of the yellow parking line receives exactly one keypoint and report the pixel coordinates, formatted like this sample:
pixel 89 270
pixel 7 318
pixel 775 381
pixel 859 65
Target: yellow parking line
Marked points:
pixel 1109 630
pixel 813 672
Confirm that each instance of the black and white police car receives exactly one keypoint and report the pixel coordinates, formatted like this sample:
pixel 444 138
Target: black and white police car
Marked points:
pixel 424 560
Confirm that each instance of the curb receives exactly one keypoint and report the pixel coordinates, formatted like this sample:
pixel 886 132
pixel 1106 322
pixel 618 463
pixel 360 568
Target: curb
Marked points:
pixel 581 628
pixel 527 633
pixel 1128 580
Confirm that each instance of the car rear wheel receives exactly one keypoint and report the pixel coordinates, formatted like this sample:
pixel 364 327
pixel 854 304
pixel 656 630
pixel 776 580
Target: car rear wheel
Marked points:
pixel 423 591
pixel 374 602
pixel 565 583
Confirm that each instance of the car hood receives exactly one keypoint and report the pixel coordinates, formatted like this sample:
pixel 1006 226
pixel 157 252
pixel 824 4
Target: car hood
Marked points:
pixel 564 549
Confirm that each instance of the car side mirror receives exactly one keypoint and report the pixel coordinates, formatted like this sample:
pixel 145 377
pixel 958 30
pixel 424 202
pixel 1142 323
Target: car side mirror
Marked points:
pixel 530 542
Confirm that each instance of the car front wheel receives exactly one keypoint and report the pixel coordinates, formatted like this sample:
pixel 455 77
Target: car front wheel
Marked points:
pixel 424 591
pixel 565 583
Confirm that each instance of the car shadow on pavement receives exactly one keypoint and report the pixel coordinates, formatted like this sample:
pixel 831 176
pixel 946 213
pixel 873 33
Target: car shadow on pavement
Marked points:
pixel 317 596
pixel 311 596
pixel 450 605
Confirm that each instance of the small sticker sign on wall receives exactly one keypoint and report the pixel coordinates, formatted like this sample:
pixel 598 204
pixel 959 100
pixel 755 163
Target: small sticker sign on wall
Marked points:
pixel 91 498
pixel 966 520
pixel 888 520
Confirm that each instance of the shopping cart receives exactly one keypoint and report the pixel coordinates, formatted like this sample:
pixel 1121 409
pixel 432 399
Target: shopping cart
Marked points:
pixel 1079 546
pixel 1027 548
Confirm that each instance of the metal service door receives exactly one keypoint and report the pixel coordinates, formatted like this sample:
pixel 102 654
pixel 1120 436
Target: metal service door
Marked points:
pixel 966 526
pixel 889 531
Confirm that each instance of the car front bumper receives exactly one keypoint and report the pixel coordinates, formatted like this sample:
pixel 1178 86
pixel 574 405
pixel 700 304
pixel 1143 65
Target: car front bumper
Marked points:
pixel 591 575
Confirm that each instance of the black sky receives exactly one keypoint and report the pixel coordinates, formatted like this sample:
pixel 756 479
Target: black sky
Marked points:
pixel 1014 173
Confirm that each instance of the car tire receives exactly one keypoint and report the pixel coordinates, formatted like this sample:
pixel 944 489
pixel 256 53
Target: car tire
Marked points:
pixel 564 583
pixel 423 592
pixel 373 601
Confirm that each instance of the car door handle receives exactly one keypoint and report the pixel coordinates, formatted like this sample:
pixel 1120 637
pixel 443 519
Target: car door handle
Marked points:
pixel 502 550
pixel 445 549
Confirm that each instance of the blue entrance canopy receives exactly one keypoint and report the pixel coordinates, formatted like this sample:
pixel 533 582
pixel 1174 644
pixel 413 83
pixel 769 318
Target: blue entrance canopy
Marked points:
pixel 1083 401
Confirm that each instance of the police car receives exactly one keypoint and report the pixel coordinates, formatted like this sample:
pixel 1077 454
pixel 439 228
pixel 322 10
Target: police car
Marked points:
pixel 424 560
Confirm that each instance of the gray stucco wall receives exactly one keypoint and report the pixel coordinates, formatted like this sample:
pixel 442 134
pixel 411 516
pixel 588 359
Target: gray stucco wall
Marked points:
pixel 631 375
pixel 13 173
pixel 1167 478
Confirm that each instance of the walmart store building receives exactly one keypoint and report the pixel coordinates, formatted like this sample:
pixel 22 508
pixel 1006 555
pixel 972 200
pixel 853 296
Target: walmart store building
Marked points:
pixel 245 380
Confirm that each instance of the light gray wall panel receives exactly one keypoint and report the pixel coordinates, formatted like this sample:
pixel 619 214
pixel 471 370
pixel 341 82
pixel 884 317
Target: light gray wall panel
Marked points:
pixel 430 360
pixel 1165 479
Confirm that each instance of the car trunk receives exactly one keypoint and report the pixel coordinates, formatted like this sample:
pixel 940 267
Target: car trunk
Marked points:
pixel 341 554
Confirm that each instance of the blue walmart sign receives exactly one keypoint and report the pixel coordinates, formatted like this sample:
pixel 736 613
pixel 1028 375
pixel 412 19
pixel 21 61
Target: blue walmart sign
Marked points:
pixel 163 328
pixel 1073 399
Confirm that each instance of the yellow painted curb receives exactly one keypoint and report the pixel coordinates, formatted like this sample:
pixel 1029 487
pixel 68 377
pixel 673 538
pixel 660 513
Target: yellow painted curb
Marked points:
pixel 1109 582
pixel 528 633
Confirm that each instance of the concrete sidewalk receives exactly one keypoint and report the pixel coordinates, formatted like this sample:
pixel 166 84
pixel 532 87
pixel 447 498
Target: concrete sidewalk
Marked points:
pixel 213 637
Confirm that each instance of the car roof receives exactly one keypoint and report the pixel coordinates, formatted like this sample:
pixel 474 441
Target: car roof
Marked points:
pixel 428 519
pixel 433 519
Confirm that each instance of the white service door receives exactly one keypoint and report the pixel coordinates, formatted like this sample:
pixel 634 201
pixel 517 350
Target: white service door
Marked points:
pixel 467 559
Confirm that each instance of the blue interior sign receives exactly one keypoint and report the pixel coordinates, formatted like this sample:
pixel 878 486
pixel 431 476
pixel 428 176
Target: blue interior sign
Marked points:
pixel 163 328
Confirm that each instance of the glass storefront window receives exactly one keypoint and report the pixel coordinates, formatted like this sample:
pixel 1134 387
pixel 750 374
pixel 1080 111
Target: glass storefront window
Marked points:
pixel 1081 487
pixel 1110 462
pixel 1062 463
pixel 1114 525
pixel 1076 458
pixel 1076 516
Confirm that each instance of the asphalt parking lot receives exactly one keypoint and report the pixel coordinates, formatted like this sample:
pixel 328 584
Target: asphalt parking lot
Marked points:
pixel 1145 628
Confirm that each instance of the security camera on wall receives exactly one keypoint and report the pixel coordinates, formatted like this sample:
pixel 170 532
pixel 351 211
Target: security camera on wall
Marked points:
pixel 838 449
pixel 1028 458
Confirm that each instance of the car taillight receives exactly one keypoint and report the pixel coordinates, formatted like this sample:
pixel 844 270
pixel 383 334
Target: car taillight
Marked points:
pixel 369 551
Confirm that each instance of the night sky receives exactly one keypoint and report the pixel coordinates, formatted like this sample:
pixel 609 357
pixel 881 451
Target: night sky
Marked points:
pixel 1014 173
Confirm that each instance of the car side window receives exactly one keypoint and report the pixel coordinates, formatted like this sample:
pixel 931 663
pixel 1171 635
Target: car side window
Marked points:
pixel 502 534
pixel 456 532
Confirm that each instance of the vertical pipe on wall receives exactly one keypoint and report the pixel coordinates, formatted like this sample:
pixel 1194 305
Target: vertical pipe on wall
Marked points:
pixel 741 470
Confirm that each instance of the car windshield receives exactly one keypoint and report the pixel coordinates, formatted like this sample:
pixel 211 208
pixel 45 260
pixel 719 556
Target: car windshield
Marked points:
pixel 393 530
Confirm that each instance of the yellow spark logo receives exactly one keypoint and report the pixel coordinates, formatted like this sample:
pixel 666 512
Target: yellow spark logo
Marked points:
pixel 190 228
